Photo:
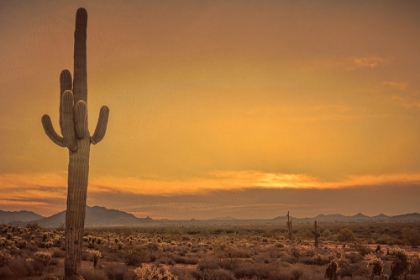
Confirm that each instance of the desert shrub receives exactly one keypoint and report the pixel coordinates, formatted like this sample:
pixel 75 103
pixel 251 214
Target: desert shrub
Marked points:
pixel 217 274
pixel 296 274
pixel 412 236
pixel 5 257
pixel 326 233
pixel 37 266
pixel 318 259
pixel 33 226
pixel 118 272
pixel 362 249
pixel 164 260
pixel 378 267
pixel 384 239
pixel 6 273
pixel 346 235
pixel 58 254
pixel 54 262
pixel 184 274
pixel 154 272
pixel 351 270
pixel 43 257
pixel 96 256
pixel 331 271
pixel 21 244
pixel 295 252
pixel 354 257
pixel 95 274
pixel 136 257
pixel 260 271
pixel 400 265
pixel 415 265
pixel 49 277
pixel 184 260
pixel 21 267
pixel 208 263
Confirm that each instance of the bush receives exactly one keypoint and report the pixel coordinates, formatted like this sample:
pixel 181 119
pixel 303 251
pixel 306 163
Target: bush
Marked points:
pixel 21 267
pixel 401 264
pixel 362 249
pixel 136 258
pixel 208 263
pixel 43 257
pixel 217 274
pixel 378 267
pixel 6 273
pixel 58 254
pixel 119 272
pixel 49 277
pixel 317 260
pixel 95 274
pixel 154 272
pixel 331 271
pixel 412 236
pixel 96 256
pixel 346 235
pixel 5 257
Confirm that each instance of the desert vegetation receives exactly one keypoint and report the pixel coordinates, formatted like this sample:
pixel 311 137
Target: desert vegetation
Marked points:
pixel 224 250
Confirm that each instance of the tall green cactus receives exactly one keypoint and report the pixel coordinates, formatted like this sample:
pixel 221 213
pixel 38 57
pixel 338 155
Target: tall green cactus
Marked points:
pixel 76 137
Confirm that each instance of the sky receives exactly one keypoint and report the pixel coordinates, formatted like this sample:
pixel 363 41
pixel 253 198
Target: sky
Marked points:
pixel 244 108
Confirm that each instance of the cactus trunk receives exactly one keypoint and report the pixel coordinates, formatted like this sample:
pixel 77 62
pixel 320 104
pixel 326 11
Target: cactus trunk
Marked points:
pixel 289 227
pixel 76 137
pixel 316 234
pixel 76 205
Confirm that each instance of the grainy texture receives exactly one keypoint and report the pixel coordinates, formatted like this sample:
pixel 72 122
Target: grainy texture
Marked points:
pixel 76 137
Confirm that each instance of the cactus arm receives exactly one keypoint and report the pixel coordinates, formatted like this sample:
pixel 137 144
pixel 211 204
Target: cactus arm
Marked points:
pixel 80 69
pixel 80 119
pixel 65 84
pixel 67 119
pixel 100 130
pixel 50 131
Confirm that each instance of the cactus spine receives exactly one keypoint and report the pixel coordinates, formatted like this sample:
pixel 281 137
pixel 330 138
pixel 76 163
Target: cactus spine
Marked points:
pixel 289 227
pixel 76 137
pixel 316 234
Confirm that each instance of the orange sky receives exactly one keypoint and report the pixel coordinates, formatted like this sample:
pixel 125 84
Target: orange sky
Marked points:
pixel 206 97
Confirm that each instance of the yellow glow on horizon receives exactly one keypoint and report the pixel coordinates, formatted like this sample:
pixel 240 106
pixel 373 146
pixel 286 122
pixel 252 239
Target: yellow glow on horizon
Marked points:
pixel 54 185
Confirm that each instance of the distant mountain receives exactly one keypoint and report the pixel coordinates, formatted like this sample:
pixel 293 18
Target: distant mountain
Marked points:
pixel 360 216
pixel 23 216
pixel 411 216
pixel 330 217
pixel 357 217
pixel 281 218
pixel 380 217
pixel 96 216
pixel 227 218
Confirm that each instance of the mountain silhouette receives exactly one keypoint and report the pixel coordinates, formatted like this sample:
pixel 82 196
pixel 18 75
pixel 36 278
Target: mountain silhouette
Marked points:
pixel 96 216
pixel 14 216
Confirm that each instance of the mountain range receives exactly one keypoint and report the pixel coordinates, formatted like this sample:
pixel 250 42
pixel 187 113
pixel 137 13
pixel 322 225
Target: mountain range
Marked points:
pixel 357 217
pixel 23 216
pixel 97 216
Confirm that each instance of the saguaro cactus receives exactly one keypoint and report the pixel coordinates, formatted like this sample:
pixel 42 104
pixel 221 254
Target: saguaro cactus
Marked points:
pixel 76 137
pixel 289 227
pixel 316 234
